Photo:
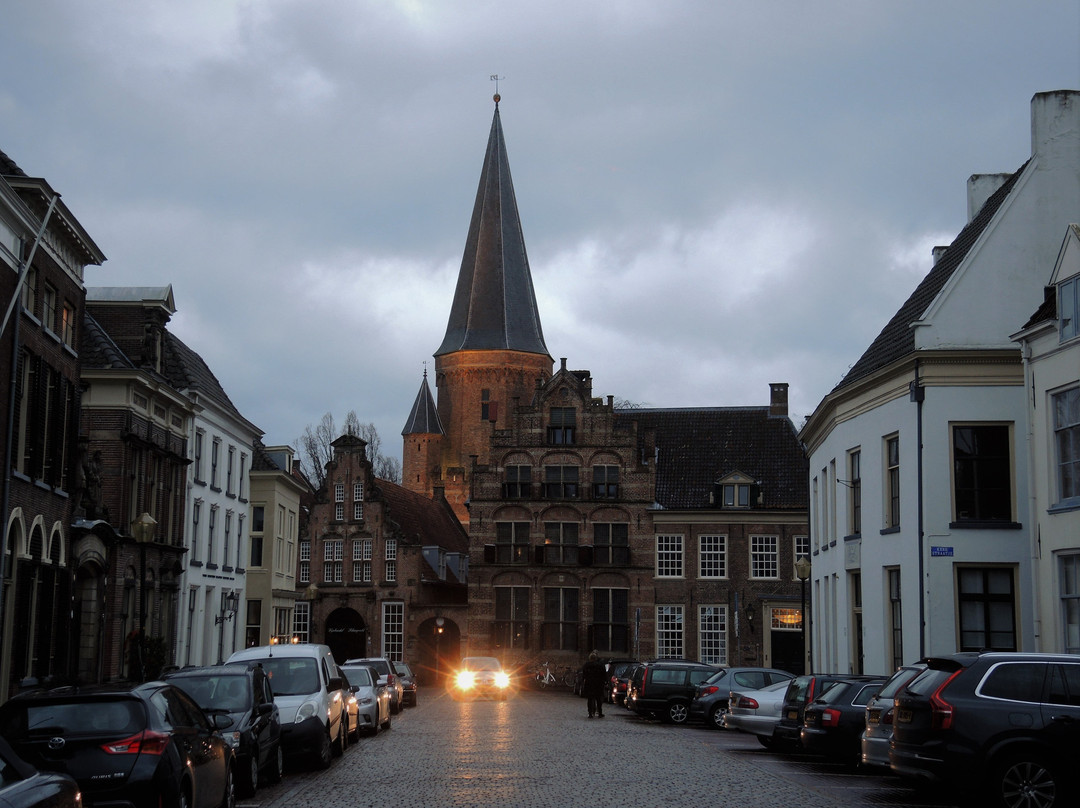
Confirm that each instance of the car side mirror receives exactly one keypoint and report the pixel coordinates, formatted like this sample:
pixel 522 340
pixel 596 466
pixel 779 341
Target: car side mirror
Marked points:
pixel 221 721
pixel 335 683
pixel 266 708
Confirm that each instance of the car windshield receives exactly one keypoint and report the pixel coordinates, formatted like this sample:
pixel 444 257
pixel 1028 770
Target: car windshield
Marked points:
pixel 380 665
pixel 402 669
pixel 291 676
pixel 717 677
pixel 481 664
pixel 119 717
pixel 358 675
pixel 226 693
pixel 898 680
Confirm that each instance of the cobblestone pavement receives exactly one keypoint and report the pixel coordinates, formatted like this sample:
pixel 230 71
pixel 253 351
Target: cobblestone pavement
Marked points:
pixel 541 749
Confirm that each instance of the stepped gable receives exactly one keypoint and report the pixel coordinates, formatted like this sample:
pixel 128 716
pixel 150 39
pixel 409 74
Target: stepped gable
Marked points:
pixel 494 304
pixel 696 447
pixel 897 339
pixel 421 519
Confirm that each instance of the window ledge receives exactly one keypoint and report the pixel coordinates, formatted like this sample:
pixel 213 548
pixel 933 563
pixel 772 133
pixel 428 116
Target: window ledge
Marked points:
pixel 853 537
pixel 984 524
pixel 1065 506
pixel 885 531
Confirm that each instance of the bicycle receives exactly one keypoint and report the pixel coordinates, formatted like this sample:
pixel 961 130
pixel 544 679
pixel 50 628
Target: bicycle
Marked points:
pixel 544 676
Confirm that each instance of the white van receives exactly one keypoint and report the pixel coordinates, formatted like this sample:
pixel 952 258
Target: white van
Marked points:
pixel 308 692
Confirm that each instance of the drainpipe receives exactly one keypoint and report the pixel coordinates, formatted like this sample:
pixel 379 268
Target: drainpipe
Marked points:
pixel 917 394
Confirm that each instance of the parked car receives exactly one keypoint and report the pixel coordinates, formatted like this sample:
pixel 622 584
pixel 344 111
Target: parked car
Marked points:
pixel 310 696
pixel 634 676
pixel 617 679
pixel 879 717
pixel 1007 724
pixel 667 687
pixel 756 711
pixel 802 690
pixel 243 694
pixel 23 786
pixel 146 744
pixel 387 676
pixel 372 698
pixel 711 700
pixel 833 723
pixel 408 683
pixel 479 676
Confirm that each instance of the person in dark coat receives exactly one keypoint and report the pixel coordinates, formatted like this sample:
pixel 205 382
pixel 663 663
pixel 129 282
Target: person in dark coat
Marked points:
pixel 593 680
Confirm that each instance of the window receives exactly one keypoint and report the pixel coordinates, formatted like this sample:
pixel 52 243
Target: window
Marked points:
pixel 199 436
pixel 1067 442
pixel 800 549
pixel 559 630
pixel 333 550
pixel 712 634
pixel 855 592
pixel 339 512
pixel 358 502
pixel 982 478
pixel 215 452
pixel 562 426
pixel 302 621
pixel 67 325
pixel 1070 602
pixel 512 542
pixel 764 557
pixel 669 556
pixel 339 492
pixel 736 495
pixel 611 620
pixel 518 482
pixel 669 632
pixel 892 482
pixel 305 561
pixel 243 466
pixel 229 471
pixel 210 534
pixel 489 410
pixel 511 617
pixel 896 617
pixel 358 511
pixel 855 495
pixel 391 560
pixel 30 291
pixel 560 482
pixel 611 543
pixel 48 310
pixel 605 482
pixel 196 510
pixel 228 538
pixel 1069 308
pixel 987 609
pixel 560 542
pixel 712 557
pixel 393 619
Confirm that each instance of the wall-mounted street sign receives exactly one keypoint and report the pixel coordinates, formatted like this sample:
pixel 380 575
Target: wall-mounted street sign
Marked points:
pixel 941 552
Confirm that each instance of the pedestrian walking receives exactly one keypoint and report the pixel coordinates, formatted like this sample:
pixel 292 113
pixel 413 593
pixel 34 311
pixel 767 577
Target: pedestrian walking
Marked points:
pixel 593 679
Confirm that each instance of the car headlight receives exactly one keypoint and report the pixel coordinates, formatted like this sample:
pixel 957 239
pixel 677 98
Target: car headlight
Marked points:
pixel 466 679
pixel 365 700
pixel 232 738
pixel 502 679
pixel 309 709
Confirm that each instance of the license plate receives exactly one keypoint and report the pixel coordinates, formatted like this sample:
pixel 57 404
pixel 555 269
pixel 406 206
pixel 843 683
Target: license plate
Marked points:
pixel 793 715
pixel 874 717
pixel 903 716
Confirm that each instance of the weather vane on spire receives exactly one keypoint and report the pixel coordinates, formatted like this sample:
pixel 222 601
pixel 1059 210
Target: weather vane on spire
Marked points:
pixel 495 77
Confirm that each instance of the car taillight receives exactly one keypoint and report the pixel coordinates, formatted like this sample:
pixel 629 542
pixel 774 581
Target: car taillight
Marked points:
pixel 708 690
pixel 747 703
pixel 830 717
pixel 390 679
pixel 147 742
pixel 941 712
pixel 886 716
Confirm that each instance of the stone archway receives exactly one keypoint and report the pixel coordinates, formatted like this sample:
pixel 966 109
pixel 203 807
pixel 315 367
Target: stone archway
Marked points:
pixel 346 634
pixel 439 650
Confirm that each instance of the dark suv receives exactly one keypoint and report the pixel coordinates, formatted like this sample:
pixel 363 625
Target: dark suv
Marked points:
pixel 1008 721
pixel 667 687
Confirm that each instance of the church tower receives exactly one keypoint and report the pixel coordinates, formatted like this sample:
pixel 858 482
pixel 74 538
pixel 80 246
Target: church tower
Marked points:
pixel 493 352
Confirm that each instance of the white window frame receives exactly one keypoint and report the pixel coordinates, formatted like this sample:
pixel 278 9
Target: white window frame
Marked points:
pixel 764 557
pixel 670 631
pixel 669 555
pixel 712 633
pixel 712 553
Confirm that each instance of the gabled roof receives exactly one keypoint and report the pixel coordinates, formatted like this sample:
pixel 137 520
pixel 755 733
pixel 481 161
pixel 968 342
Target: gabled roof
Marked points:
pixel 421 519
pixel 897 339
pixel 186 370
pixel 696 448
pixel 424 417
pixel 97 349
pixel 494 304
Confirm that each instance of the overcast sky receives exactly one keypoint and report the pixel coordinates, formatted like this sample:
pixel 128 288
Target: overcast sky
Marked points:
pixel 714 195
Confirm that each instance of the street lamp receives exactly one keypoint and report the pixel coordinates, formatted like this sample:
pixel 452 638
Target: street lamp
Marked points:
pixel 142 528
pixel 230 602
pixel 438 645
pixel 802 572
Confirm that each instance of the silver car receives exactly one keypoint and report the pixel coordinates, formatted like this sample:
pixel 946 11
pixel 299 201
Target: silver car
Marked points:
pixel 387 677
pixel 879 716
pixel 757 711
pixel 372 699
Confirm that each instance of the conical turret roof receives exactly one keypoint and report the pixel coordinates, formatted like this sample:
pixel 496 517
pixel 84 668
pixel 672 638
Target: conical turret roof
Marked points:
pixel 424 417
pixel 494 304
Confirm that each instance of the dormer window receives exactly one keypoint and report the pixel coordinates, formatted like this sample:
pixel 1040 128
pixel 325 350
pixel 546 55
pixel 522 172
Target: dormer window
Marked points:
pixel 1069 308
pixel 562 426
pixel 737 495
pixel 736 490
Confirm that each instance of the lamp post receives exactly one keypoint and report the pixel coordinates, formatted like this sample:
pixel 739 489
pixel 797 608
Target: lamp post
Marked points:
pixel 802 572
pixel 438 645
pixel 230 602
pixel 142 528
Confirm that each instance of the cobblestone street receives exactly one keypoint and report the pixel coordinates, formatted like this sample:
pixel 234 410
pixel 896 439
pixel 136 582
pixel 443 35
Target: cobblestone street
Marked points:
pixel 541 749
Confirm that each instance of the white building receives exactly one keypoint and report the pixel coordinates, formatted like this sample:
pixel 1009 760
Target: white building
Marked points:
pixel 1051 345
pixel 920 510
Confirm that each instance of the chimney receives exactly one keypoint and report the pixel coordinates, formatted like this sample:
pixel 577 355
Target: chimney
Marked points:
pixel 1055 119
pixel 937 252
pixel 981 187
pixel 778 395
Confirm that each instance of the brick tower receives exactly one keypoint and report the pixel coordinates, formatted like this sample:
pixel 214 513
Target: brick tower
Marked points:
pixel 493 352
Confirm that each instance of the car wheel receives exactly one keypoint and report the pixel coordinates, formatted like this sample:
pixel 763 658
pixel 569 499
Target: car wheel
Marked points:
pixel 249 782
pixel 183 798
pixel 389 719
pixel 324 753
pixel 1026 781
pixel 716 716
pixel 228 800
pixel 677 712
pixel 766 741
pixel 276 765
pixel 342 740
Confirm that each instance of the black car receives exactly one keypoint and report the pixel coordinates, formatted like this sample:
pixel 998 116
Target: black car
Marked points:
pixel 618 677
pixel 147 744
pixel 241 692
pixel 666 688
pixel 802 690
pixel 833 723
pixel 1008 723
pixel 23 786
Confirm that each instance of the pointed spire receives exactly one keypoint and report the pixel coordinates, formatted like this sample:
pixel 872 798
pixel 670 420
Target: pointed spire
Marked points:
pixel 494 304
pixel 424 417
